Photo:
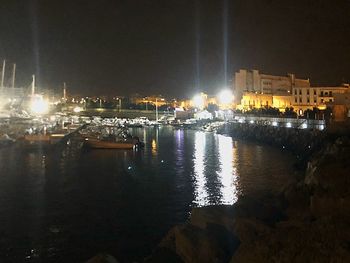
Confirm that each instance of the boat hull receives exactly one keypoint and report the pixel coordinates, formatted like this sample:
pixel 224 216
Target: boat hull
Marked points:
pixel 98 144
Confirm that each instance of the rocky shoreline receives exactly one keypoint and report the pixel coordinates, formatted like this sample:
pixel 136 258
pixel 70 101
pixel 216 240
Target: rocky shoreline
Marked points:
pixel 303 143
pixel 308 221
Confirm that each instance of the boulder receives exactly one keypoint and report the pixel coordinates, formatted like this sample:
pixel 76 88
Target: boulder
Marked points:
pixel 214 244
pixel 102 258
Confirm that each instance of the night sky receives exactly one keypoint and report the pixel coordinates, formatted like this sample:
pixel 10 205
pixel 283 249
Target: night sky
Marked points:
pixel 172 47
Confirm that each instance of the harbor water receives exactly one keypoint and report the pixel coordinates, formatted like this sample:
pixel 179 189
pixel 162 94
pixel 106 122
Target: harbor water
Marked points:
pixel 66 204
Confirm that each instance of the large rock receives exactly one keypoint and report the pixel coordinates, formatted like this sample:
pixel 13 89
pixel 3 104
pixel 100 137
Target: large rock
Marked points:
pixel 295 241
pixel 222 215
pixel 214 244
pixel 102 258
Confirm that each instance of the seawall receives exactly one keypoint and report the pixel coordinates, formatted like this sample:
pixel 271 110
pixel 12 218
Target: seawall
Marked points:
pixel 301 142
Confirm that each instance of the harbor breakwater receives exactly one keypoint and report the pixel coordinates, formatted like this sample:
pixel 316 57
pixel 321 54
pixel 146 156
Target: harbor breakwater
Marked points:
pixel 308 221
pixel 301 142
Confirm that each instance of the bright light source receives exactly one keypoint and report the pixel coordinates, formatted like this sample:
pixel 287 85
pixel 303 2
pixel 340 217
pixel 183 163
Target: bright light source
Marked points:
pixel 304 126
pixel 77 109
pixel 274 123
pixel 39 105
pixel 321 127
pixel 288 125
pixel 251 121
pixel 225 97
pixel 198 101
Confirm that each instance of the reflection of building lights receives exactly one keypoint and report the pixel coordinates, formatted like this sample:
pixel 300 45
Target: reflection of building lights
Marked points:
pixel 227 173
pixel 154 147
pixel 274 123
pixel 199 160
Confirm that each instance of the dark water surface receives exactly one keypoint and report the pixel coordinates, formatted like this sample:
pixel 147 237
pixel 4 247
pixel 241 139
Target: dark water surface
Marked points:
pixel 67 204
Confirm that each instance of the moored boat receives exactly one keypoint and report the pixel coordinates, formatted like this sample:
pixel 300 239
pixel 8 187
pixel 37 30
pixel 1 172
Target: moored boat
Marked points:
pixel 108 143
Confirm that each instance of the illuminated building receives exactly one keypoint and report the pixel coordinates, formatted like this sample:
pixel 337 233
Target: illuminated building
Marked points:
pixel 155 100
pixel 315 97
pixel 251 81
pixel 255 90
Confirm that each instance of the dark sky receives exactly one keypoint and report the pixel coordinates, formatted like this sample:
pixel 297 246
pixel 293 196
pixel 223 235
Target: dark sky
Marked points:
pixel 169 46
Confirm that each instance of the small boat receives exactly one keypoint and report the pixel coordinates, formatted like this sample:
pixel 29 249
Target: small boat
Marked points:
pixel 107 143
pixel 33 139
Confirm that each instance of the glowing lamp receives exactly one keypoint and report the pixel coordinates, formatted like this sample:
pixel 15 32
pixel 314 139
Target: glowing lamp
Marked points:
pixel 77 109
pixel 39 105
pixel 198 101
pixel 225 97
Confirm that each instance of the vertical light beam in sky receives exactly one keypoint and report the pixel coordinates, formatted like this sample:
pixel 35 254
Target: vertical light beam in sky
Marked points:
pixel 197 43
pixel 225 38
pixel 35 37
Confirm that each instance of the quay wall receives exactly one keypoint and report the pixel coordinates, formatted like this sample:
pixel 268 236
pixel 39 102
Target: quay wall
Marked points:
pixel 301 142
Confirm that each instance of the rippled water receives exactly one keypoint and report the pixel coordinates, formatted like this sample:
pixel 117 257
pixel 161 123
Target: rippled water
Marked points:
pixel 67 204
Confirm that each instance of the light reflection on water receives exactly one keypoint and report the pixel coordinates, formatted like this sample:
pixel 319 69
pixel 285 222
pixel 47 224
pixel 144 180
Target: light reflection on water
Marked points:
pixel 201 193
pixel 225 174
pixel 123 202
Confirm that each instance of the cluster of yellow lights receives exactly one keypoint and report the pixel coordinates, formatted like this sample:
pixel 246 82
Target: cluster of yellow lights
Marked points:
pixel 224 97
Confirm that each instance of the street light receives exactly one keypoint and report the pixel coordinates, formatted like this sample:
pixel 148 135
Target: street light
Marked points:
pixel 39 105
pixel 225 97
pixel 198 101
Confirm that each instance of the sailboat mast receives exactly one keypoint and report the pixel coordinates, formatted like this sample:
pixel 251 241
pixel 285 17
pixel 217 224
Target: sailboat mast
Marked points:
pixel 64 91
pixel 13 75
pixel 3 73
pixel 33 85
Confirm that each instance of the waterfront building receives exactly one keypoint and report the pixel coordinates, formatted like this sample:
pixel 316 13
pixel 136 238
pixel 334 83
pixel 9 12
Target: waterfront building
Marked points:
pixel 255 90
pixel 157 100
pixel 341 106
pixel 251 81
pixel 316 97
